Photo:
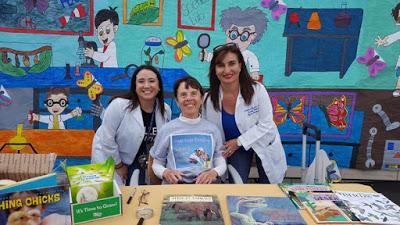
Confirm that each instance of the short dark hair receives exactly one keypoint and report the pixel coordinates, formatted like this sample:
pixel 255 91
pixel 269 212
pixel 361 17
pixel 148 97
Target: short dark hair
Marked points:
pixel 395 12
pixel 245 80
pixel 189 82
pixel 133 96
pixel 106 14
pixel 56 91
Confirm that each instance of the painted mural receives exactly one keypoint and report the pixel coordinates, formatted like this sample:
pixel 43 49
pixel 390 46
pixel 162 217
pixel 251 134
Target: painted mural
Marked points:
pixel 331 63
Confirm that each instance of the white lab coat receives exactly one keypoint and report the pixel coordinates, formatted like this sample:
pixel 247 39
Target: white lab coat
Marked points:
pixel 122 131
pixel 257 128
pixel 391 39
pixel 49 120
pixel 108 58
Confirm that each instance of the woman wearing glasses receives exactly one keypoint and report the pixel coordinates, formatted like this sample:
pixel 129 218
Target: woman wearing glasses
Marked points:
pixel 130 125
pixel 242 110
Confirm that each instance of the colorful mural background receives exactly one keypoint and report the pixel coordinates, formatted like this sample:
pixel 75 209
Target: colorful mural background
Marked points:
pixel 318 59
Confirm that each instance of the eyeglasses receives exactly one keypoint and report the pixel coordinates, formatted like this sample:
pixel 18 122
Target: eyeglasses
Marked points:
pixel 244 36
pixel 218 47
pixel 50 102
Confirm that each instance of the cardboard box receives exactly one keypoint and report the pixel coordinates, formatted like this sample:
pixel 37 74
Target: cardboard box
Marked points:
pixel 99 209
pixel 24 166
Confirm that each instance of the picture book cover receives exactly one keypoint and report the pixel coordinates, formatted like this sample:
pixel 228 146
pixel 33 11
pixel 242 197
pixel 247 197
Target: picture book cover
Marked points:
pixel 371 207
pixel 307 196
pixel 192 151
pixel 291 188
pixel 191 210
pixel 34 207
pixel 286 187
pixel 245 210
pixel 325 211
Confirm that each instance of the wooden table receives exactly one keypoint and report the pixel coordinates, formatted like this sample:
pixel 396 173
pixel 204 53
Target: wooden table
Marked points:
pixel 157 193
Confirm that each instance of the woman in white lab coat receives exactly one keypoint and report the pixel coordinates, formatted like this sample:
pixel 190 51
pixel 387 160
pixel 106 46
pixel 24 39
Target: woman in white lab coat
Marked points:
pixel 242 110
pixel 130 124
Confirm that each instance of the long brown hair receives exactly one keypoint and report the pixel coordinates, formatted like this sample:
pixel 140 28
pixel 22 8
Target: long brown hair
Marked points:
pixel 132 95
pixel 246 82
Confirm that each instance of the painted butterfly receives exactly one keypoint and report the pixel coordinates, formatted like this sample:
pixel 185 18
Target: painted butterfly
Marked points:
pixel 41 5
pixel 374 62
pixel 337 112
pixel 89 82
pixel 277 7
pixel 180 45
pixel 5 99
pixel 294 110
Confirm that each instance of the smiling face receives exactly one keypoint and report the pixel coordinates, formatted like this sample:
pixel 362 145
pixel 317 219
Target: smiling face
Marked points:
pixel 56 103
pixel 243 36
pixel 189 100
pixel 106 32
pixel 228 70
pixel 147 85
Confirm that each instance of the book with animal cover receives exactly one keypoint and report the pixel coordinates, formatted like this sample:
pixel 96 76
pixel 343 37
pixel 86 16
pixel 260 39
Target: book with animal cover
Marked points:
pixel 306 196
pixel 371 207
pixel 191 210
pixel 192 152
pixel 48 205
pixel 245 210
pixel 325 211
pixel 47 180
pixel 291 188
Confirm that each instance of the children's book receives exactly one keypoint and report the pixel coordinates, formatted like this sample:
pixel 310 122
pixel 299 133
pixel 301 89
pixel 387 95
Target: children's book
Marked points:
pixel 191 210
pixel 47 180
pixel 192 152
pixel 326 211
pixel 371 207
pixel 38 206
pixel 307 196
pixel 245 210
pixel 290 190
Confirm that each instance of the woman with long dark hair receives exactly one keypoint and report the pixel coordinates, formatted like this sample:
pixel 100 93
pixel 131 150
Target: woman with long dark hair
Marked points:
pixel 130 124
pixel 242 110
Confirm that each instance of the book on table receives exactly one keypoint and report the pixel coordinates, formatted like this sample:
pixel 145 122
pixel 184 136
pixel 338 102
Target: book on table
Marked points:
pixel 371 207
pixel 336 212
pixel 290 190
pixel 49 205
pixel 191 210
pixel 245 210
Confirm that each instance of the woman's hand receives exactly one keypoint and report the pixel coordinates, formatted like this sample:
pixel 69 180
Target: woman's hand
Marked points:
pixel 172 176
pixel 207 177
pixel 122 171
pixel 230 147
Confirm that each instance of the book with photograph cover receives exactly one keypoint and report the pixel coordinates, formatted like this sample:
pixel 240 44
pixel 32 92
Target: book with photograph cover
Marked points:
pixel 191 210
pixel 291 188
pixel 325 211
pixel 371 207
pixel 48 205
pixel 245 210
pixel 192 152
pixel 307 196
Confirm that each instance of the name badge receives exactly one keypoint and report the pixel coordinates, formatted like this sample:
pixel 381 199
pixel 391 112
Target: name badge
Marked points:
pixel 252 110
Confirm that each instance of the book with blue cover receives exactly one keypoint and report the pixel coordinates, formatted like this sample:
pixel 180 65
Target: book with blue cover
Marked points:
pixel 192 152
pixel 245 210
pixel 47 180
pixel 48 205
